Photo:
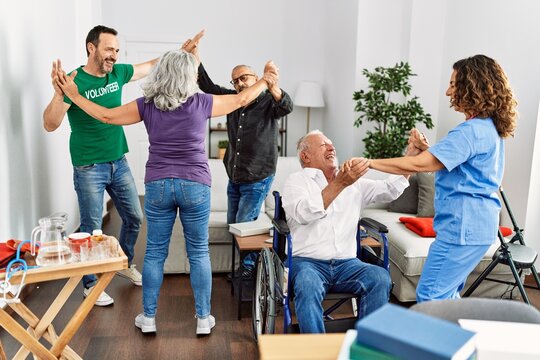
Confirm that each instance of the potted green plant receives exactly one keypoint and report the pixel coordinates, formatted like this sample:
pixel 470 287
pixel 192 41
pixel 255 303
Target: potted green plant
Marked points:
pixel 392 119
pixel 222 146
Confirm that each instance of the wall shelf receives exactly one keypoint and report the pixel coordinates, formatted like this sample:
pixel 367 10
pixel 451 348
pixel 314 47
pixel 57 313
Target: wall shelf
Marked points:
pixel 282 123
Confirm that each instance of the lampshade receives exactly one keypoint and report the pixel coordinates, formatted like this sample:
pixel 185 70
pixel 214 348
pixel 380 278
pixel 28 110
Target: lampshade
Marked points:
pixel 309 94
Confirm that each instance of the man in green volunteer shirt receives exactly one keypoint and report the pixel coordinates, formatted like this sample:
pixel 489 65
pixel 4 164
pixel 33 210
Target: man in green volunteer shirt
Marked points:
pixel 97 150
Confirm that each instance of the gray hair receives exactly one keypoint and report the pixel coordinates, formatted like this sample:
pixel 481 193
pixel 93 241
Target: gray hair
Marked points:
pixel 172 81
pixel 242 66
pixel 302 144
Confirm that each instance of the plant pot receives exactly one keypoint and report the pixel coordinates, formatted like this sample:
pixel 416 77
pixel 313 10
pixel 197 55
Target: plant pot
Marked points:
pixel 221 153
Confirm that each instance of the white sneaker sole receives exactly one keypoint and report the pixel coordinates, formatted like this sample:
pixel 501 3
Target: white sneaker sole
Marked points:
pixel 104 303
pixel 101 303
pixel 138 283
pixel 205 330
pixel 145 328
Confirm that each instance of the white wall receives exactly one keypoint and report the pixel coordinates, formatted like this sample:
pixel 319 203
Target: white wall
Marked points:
pixel 35 168
pixel 383 38
pixel 329 42
pixel 240 32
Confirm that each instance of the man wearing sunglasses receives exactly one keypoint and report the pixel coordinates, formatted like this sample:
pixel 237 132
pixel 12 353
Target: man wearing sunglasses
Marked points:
pixel 251 158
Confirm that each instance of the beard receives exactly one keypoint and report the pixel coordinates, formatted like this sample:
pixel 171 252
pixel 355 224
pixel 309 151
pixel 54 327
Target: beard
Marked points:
pixel 102 64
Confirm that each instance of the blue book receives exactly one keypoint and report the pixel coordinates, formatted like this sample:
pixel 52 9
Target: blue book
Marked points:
pixel 411 335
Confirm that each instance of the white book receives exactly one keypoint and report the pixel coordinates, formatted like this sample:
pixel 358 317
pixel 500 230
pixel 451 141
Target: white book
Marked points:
pixel 504 340
pixel 260 226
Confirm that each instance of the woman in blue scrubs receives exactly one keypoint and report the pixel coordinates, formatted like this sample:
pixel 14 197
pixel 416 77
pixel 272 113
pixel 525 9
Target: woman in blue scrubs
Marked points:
pixel 469 165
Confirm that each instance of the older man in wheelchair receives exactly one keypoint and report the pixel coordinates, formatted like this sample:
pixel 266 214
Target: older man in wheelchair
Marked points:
pixel 323 204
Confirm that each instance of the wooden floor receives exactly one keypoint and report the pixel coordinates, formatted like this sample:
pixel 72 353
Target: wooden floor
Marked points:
pixel 109 332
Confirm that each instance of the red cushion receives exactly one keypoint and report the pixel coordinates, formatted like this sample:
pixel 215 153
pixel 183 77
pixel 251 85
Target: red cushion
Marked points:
pixel 6 254
pixel 421 226
pixel 14 244
pixel 424 226
pixel 505 231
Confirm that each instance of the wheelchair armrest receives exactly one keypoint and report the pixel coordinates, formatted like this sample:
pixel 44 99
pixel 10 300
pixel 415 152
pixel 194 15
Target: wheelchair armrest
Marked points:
pixel 373 224
pixel 281 226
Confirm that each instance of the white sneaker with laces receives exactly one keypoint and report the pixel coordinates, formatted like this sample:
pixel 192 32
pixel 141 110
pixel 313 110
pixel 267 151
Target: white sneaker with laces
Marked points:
pixel 146 324
pixel 103 300
pixel 204 326
pixel 132 274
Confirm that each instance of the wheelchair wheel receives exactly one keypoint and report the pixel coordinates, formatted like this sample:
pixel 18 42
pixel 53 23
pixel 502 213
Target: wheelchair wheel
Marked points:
pixel 264 299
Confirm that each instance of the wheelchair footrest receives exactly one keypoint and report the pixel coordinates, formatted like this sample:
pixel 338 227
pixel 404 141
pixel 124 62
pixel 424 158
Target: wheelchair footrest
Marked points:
pixel 340 325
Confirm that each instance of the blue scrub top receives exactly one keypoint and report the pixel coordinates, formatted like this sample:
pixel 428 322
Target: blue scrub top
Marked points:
pixel 466 203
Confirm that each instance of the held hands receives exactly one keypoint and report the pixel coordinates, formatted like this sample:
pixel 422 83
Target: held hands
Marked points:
pixel 271 74
pixel 191 45
pixel 65 82
pixel 352 170
pixel 417 143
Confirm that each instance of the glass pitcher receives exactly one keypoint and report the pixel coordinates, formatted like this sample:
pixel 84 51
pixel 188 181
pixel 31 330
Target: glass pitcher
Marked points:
pixel 53 249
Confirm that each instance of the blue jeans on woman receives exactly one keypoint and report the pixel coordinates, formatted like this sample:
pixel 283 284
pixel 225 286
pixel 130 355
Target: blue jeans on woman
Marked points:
pixel 91 182
pixel 312 279
pixel 163 200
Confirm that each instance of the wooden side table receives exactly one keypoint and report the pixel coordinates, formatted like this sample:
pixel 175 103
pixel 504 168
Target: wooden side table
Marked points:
pixel 244 245
pixel 38 328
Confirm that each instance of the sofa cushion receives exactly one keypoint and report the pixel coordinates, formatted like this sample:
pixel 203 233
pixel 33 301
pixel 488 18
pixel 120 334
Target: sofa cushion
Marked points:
pixel 426 193
pixel 408 201
pixel 218 219
pixel 286 165
pixel 218 192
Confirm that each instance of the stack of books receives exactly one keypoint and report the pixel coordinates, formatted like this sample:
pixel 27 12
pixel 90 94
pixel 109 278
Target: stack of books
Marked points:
pixel 393 332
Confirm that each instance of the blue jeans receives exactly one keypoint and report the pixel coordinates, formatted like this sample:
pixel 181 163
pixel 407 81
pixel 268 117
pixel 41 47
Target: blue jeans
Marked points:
pixel 244 204
pixel 312 279
pixel 446 269
pixel 91 182
pixel 163 200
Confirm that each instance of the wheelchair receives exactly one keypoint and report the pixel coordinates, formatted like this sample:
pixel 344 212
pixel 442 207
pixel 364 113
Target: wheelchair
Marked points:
pixel 273 288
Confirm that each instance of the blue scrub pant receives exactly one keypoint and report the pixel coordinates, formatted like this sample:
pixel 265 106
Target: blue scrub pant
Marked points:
pixel 446 269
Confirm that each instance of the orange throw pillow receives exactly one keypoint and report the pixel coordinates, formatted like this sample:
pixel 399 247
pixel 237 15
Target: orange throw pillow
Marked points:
pixel 421 226
pixel 424 226
pixel 505 231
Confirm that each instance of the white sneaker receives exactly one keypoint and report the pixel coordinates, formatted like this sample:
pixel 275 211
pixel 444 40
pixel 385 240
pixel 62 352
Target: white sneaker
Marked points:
pixel 132 274
pixel 146 324
pixel 103 300
pixel 204 326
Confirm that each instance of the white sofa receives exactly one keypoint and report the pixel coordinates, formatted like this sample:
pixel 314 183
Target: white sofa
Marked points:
pixel 408 251
pixel 219 236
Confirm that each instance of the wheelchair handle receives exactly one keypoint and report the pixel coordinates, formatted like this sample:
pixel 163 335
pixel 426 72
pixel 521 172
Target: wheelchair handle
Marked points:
pixel 373 224
pixel 281 226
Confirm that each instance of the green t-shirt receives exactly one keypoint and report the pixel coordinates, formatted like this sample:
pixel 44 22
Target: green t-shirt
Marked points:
pixel 91 141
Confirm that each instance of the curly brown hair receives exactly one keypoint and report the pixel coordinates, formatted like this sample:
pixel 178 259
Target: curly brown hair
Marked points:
pixel 482 89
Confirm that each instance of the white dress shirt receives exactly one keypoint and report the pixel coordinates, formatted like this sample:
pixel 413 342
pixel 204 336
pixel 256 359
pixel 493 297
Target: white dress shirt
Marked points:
pixel 331 234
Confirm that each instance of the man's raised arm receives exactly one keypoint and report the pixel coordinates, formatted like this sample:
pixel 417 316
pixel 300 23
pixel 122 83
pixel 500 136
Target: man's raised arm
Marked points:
pixel 56 109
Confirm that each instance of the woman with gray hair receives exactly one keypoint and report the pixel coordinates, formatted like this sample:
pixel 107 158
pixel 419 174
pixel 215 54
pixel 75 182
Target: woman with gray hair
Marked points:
pixel 177 174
